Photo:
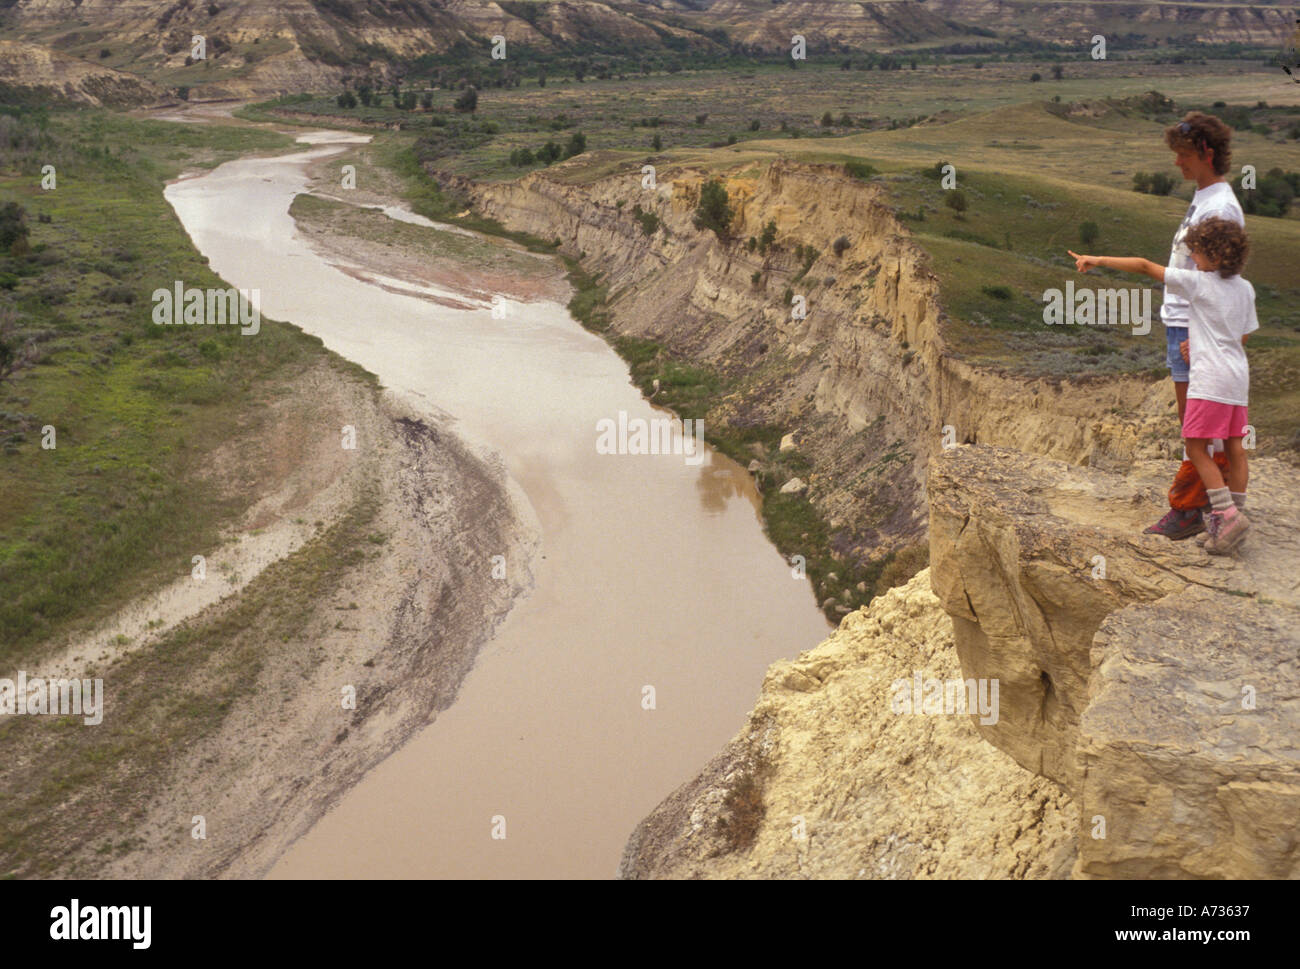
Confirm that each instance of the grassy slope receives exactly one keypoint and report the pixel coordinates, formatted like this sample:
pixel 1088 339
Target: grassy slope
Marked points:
pixel 138 409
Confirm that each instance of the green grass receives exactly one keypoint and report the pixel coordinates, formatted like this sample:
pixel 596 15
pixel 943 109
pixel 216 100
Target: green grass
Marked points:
pixel 138 409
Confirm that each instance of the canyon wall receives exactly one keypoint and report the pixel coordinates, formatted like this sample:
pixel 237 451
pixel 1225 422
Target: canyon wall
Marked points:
pixel 864 381
pixel 1146 722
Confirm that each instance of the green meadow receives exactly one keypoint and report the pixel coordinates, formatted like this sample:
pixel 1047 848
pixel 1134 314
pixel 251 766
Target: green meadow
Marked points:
pixel 127 495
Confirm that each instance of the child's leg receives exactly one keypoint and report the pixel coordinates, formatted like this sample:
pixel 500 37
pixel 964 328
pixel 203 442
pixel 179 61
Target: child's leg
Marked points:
pixel 1198 452
pixel 1238 472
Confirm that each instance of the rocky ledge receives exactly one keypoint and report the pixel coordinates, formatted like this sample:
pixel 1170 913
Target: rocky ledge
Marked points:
pixel 1147 705
pixel 1158 684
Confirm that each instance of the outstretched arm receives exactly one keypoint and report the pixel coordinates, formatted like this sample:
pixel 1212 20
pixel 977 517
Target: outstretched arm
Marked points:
pixel 1127 264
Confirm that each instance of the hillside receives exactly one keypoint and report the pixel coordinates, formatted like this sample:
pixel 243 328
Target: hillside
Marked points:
pixel 256 48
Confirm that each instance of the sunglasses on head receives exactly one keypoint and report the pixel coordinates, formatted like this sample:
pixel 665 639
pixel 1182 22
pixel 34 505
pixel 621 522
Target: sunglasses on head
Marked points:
pixel 1185 128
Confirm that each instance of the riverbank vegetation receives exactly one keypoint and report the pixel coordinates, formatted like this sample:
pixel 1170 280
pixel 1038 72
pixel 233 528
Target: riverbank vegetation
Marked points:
pixel 109 423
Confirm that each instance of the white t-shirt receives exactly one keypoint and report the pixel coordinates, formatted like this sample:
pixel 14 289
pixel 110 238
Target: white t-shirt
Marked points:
pixel 1218 200
pixel 1220 312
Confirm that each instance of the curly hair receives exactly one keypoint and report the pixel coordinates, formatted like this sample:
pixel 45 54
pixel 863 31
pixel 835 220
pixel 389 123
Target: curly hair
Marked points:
pixel 1223 242
pixel 1201 132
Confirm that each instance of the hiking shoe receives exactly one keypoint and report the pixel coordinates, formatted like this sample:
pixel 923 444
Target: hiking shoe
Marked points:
pixel 1225 533
pixel 1178 525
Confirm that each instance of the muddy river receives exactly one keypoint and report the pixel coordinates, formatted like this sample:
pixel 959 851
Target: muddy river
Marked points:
pixel 653 571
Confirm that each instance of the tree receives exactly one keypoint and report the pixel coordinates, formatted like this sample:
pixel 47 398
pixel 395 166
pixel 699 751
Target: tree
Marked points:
pixel 956 200
pixel 656 142
pixel 1058 72
pixel 1088 233
pixel 577 144
pixel 840 245
pixel 467 103
pixel 714 211
pixel 408 101
pixel 1035 76
pixel 347 100
pixel 768 237
pixel 364 94
pixel 827 120
pixel 426 100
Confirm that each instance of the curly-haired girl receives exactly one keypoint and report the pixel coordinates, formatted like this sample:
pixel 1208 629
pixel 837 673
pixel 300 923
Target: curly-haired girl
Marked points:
pixel 1221 311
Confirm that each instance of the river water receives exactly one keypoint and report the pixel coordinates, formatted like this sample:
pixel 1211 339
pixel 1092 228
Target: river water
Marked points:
pixel 653 571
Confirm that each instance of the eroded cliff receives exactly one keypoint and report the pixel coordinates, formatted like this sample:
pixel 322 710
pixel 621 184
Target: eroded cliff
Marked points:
pixel 863 380
pixel 1123 743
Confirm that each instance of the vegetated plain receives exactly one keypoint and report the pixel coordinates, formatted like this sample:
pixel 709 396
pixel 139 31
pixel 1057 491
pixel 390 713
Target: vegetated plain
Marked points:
pixel 126 495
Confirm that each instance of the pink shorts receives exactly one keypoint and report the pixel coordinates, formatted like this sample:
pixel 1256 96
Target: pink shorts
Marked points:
pixel 1209 419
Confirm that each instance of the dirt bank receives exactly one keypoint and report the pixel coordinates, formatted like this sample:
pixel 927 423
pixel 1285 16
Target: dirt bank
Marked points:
pixel 362 570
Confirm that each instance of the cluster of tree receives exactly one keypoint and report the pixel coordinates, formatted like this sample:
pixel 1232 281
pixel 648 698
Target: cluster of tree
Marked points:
pixel 367 97
pixel 885 62
pixel 1272 195
pixel 549 152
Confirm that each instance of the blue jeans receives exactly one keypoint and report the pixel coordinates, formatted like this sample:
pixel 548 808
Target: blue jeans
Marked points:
pixel 1178 369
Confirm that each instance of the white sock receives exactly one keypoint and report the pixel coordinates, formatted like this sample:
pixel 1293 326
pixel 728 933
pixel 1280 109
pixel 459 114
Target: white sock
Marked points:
pixel 1220 498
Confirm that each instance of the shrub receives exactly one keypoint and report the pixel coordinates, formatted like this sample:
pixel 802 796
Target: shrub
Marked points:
pixel 1162 184
pixel 840 245
pixel 13 228
pixel 768 237
pixel 859 169
pixel 956 200
pixel 1088 233
pixel 347 100
pixel 1035 76
pixel 467 103
pixel 997 292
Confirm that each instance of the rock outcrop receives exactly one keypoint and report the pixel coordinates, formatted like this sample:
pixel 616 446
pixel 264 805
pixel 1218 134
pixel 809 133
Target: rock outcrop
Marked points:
pixel 1156 683
pixel 827 781
pixel 64 78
